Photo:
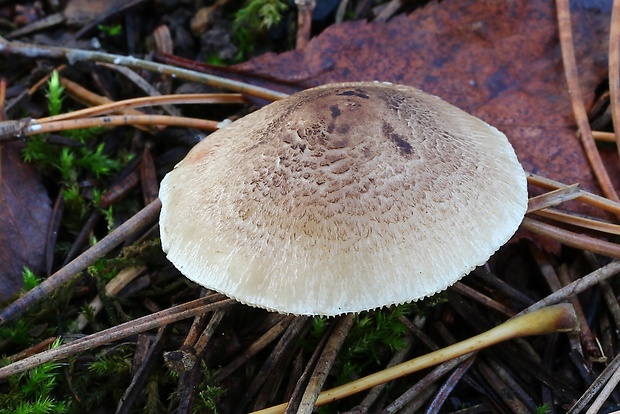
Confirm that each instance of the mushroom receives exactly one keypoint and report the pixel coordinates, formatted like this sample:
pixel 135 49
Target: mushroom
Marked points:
pixel 342 198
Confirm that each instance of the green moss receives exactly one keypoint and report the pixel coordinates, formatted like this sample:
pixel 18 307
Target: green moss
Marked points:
pixel 32 392
pixel 254 19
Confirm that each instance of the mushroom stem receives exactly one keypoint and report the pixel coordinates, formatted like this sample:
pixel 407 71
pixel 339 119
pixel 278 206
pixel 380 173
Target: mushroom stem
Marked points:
pixel 558 318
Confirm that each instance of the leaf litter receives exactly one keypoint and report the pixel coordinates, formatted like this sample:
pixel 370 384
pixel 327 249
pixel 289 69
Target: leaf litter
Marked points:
pixel 500 61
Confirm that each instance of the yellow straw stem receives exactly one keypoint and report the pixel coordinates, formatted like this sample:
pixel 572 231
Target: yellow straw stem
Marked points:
pixel 557 318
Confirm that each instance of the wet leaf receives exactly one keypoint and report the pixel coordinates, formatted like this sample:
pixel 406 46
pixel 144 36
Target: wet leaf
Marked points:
pixel 24 220
pixel 78 12
pixel 498 60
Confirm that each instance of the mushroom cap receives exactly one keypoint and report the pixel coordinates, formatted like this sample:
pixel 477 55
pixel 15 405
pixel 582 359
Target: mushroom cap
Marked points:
pixel 342 198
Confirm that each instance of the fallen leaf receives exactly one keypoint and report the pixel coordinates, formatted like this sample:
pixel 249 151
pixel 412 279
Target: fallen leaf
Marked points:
pixel 24 221
pixel 498 60
pixel 79 12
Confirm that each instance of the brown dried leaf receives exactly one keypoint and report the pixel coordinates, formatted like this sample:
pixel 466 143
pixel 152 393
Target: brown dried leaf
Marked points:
pixel 498 60
pixel 24 221
pixel 79 12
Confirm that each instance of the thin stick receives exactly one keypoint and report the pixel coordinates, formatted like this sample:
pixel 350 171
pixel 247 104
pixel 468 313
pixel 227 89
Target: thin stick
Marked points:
pixel 88 98
pixel 579 111
pixel 122 279
pixel 449 384
pixel 558 318
pixel 614 70
pixel 576 287
pixel 605 393
pixel 588 339
pixel 581 221
pixel 476 296
pixel 72 270
pixel 584 196
pixel 145 323
pixel 304 22
pixel 553 197
pixel 116 120
pixel 604 136
pixel 2 98
pixel 324 365
pixel 572 239
pixel 196 98
pixel 425 382
pixel 274 332
pixel 79 55
pixel 34 349
pixel 595 387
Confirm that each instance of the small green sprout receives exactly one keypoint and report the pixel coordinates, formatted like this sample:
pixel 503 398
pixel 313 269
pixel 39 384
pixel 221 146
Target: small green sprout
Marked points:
pixel 54 94
pixel 72 163
pixel 30 392
pixel 373 337
pixel 209 394
pixel 208 398
pixel 111 30
pixel 18 333
pixel 113 364
pixel 30 279
pixel 256 17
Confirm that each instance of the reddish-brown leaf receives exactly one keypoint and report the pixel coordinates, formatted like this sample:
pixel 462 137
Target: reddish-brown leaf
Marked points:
pixel 24 221
pixel 498 60
pixel 78 12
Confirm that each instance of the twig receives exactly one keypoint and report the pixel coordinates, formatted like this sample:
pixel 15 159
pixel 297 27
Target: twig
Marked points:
pixel 584 196
pixel 579 111
pixel 604 136
pixel 148 177
pixel 138 380
pixel 576 287
pixel 612 303
pixel 572 239
pixel 72 270
pixel 34 349
pixel 500 391
pixel 145 323
pixel 207 334
pixel 476 296
pixel 448 386
pixel 581 221
pixel 605 393
pixel 614 70
pixel 142 84
pixel 122 279
pixel 188 385
pixel 323 366
pixel 290 337
pixel 297 391
pixel 610 370
pixel 397 358
pixel 502 287
pixel 79 55
pixel 2 98
pixel 304 22
pixel 115 120
pixel 429 379
pixel 553 197
pixel 88 98
pixel 253 349
pixel 196 98
pixel 588 339
pixel 558 318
